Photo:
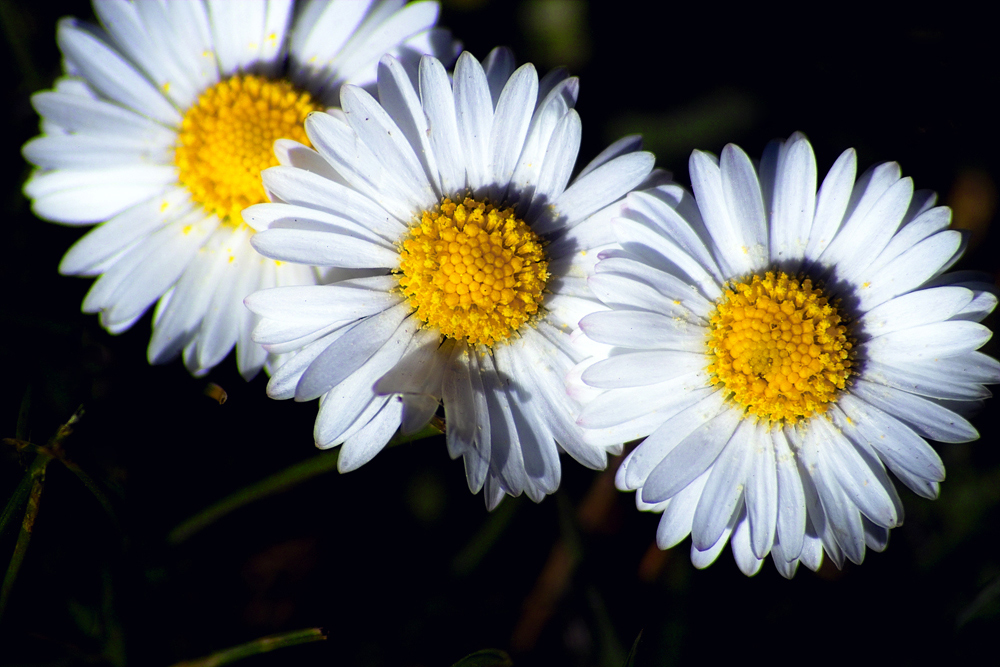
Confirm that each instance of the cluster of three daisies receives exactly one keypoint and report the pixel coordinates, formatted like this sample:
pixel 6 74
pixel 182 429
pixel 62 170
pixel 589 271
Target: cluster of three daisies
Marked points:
pixel 777 342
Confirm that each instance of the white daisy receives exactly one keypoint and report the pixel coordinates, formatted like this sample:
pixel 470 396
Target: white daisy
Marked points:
pixel 160 129
pixel 453 196
pixel 781 347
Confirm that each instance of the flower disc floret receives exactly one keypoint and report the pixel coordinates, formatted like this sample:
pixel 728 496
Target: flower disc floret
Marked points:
pixel 473 271
pixel 227 139
pixel 780 347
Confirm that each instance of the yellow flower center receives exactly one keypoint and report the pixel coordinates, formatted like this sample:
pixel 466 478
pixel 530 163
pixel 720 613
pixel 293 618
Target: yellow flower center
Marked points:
pixel 473 271
pixel 226 139
pixel 780 347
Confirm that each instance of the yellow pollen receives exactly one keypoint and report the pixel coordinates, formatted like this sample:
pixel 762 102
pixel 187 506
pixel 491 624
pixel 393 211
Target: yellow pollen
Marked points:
pixel 473 271
pixel 226 139
pixel 780 347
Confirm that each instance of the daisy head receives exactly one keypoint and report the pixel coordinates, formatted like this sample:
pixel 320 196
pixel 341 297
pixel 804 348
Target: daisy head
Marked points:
pixel 159 131
pixel 779 348
pixel 463 247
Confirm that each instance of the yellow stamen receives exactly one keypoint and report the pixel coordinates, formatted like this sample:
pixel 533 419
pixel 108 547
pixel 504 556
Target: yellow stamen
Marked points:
pixel 226 139
pixel 780 347
pixel 473 271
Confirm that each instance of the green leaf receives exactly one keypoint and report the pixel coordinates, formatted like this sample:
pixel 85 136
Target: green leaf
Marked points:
pixel 256 647
pixel 630 658
pixel 490 657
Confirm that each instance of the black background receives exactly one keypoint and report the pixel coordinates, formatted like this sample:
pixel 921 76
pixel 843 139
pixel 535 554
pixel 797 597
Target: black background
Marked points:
pixel 392 559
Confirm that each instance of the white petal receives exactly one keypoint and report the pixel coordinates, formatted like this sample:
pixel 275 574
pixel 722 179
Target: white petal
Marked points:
pixel 284 380
pixel 474 113
pixel 908 271
pixel 557 166
pixel 702 559
pixel 538 447
pixel 623 146
pixel 723 492
pixel 762 493
pixel 896 443
pixel 929 378
pixel 108 73
pixel 132 225
pixel 498 65
pixel 595 190
pixel 506 462
pixel 678 516
pixel 88 196
pixel 748 563
pixel 349 352
pixel 511 119
pixel 674 423
pixel 914 309
pixel 400 100
pixel 642 330
pixel 856 476
pixel 356 162
pixel 639 369
pixel 545 366
pixel 420 371
pixel 311 191
pixel 237 32
pixel 343 301
pixel 791 524
pixel 83 115
pixel 666 284
pixel 746 206
pixel 672 212
pixel 731 250
pixel 345 403
pixel 928 417
pixel 439 104
pixel 621 405
pixel 691 457
pixel 831 203
pixel 179 321
pixel 369 440
pixel 220 326
pixel 867 232
pixel 467 416
pixel 926 224
pixel 793 204
pixel 321 248
pixel 619 292
pixel 383 137
pixel 289 216
pixel 132 284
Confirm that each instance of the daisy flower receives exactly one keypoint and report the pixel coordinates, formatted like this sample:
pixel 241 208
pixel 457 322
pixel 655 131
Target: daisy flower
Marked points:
pixel 454 197
pixel 779 348
pixel 159 131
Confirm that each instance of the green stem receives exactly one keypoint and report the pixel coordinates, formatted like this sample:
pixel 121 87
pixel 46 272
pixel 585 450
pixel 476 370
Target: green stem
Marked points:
pixel 496 522
pixel 281 481
pixel 16 501
pixel 276 483
pixel 256 647
pixel 37 476
pixel 93 488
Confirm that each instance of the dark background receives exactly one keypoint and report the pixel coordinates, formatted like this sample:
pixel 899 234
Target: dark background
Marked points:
pixel 397 560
